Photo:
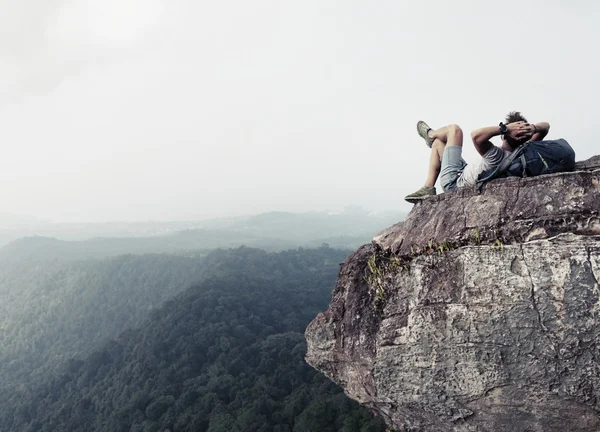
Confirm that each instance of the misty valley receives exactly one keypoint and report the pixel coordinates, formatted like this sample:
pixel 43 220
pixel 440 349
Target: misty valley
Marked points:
pixel 192 330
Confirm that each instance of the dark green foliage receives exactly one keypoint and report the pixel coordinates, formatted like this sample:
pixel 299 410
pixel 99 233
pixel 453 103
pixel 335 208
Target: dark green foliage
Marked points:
pixel 53 311
pixel 226 355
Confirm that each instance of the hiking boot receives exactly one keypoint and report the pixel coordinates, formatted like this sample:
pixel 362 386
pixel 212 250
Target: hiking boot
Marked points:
pixel 422 193
pixel 423 128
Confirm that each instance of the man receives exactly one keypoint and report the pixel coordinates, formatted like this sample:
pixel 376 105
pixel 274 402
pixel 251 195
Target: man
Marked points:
pixel 446 160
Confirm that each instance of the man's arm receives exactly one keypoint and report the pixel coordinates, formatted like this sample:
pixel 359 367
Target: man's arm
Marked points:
pixel 481 138
pixel 540 131
pixel 517 131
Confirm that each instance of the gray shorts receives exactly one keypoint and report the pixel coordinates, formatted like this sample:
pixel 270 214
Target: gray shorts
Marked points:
pixel 452 167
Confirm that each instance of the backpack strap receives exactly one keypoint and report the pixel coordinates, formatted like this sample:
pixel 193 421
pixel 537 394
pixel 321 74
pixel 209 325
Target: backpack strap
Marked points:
pixel 518 153
pixel 524 165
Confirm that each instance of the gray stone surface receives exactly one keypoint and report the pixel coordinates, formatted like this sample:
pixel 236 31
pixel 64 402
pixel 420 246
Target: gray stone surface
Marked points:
pixel 592 163
pixel 490 336
pixel 513 209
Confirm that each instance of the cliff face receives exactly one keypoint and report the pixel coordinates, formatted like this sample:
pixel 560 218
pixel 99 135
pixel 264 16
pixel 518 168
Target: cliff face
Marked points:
pixel 480 312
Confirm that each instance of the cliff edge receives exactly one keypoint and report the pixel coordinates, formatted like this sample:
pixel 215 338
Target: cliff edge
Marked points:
pixel 479 312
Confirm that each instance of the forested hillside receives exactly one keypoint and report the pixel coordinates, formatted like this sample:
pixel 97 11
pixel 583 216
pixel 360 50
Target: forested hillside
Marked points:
pixel 54 311
pixel 225 355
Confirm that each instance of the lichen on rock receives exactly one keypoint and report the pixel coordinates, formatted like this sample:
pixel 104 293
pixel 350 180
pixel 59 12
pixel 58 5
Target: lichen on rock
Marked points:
pixel 496 331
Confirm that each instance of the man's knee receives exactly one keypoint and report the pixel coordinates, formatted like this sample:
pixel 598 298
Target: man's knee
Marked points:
pixel 455 135
pixel 455 130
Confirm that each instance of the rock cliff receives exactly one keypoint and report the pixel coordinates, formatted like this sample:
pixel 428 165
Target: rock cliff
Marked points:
pixel 479 312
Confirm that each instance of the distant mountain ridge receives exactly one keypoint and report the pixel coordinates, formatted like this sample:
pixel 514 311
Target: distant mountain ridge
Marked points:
pixel 273 231
pixel 315 225
pixel 182 242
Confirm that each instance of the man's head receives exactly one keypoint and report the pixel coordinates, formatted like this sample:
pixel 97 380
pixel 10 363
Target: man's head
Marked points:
pixel 514 117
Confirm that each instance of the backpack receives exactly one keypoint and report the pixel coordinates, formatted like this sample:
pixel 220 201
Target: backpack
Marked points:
pixel 533 159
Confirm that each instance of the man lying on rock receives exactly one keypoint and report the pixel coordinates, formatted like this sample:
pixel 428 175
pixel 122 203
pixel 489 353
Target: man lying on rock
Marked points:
pixel 446 160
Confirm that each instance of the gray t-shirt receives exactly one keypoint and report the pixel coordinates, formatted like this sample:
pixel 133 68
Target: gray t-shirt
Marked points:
pixel 491 159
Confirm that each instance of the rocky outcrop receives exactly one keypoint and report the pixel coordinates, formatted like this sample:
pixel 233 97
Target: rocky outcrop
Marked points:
pixel 480 312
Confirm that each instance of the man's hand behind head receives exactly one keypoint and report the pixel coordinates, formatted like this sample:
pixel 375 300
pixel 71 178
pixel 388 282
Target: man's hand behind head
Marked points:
pixel 519 132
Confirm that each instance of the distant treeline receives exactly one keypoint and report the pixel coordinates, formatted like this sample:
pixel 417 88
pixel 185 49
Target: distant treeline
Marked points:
pixel 274 231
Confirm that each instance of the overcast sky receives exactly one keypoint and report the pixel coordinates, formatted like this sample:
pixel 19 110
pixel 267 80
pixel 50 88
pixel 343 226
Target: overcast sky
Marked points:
pixel 183 109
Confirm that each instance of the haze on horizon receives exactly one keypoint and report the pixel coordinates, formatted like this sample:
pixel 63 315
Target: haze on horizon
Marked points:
pixel 173 110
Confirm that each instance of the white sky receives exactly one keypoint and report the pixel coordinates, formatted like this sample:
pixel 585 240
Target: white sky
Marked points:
pixel 180 109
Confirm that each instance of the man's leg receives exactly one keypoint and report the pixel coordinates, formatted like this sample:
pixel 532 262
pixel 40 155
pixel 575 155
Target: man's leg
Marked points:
pixel 452 162
pixel 450 135
pixel 435 162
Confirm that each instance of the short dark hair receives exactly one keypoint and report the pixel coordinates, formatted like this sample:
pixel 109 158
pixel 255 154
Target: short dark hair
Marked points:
pixel 515 116
pixel 511 117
